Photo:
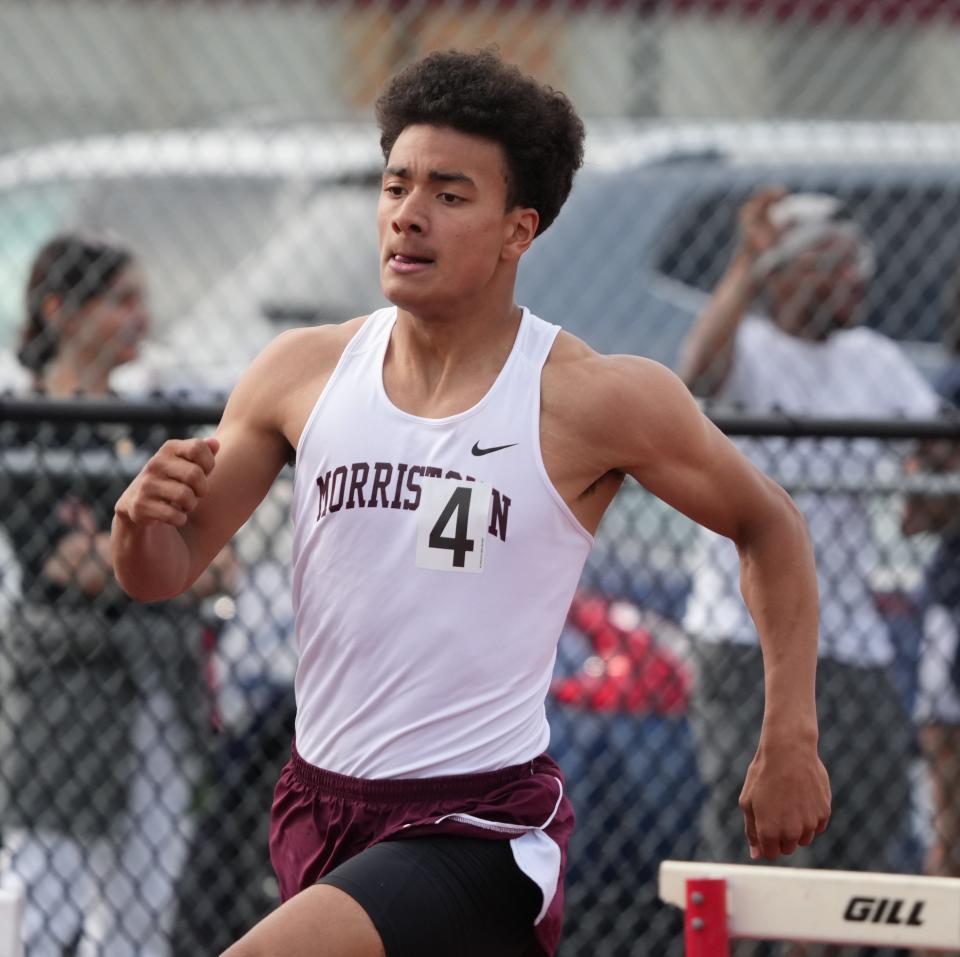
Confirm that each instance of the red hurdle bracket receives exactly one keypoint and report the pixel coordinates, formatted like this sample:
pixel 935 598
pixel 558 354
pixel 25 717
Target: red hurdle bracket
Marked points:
pixel 705 921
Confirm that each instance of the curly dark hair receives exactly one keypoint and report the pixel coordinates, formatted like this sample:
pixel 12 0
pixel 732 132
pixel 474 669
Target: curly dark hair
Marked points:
pixel 478 93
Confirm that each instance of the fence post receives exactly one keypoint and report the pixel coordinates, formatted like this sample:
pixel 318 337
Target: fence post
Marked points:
pixel 11 921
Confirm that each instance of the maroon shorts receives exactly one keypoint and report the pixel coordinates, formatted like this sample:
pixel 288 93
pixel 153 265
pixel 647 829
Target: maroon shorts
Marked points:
pixel 321 819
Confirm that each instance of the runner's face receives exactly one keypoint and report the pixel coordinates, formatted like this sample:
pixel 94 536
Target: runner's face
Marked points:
pixel 443 223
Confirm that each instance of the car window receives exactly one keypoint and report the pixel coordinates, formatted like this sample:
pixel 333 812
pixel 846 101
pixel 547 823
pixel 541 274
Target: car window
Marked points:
pixel 318 264
pixel 914 226
pixel 322 266
pixel 187 230
pixel 591 270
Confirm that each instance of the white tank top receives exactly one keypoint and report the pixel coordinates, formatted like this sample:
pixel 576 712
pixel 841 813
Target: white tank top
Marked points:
pixel 433 566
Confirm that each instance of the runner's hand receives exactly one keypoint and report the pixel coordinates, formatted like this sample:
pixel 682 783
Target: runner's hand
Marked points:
pixel 171 484
pixel 785 800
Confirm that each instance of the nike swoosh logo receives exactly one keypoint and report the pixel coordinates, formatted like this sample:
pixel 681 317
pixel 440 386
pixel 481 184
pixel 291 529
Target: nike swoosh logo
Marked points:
pixel 476 450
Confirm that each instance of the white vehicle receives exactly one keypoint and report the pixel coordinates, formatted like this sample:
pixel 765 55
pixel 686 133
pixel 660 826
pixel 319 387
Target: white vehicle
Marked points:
pixel 247 231
pixel 207 213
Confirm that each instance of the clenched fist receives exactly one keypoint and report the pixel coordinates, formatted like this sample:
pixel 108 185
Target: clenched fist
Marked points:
pixel 171 484
pixel 785 800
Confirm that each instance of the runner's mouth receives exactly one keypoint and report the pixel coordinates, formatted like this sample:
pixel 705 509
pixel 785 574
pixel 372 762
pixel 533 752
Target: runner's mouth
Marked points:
pixel 400 258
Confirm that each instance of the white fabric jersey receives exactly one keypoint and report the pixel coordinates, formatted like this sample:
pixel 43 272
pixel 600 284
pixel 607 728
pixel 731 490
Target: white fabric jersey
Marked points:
pixel 855 373
pixel 434 563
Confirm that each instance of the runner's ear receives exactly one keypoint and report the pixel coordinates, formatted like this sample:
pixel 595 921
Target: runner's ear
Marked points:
pixel 520 229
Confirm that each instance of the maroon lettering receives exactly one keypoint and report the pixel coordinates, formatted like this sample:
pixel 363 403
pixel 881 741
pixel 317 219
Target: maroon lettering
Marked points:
pixel 500 511
pixel 382 471
pixel 415 487
pixel 337 488
pixel 323 488
pixel 358 478
pixel 401 471
pixel 394 486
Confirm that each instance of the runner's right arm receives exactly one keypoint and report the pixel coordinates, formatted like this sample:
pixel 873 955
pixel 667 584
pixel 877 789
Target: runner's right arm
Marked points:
pixel 191 497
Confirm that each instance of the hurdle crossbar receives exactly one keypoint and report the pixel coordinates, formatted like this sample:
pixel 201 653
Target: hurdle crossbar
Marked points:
pixel 729 901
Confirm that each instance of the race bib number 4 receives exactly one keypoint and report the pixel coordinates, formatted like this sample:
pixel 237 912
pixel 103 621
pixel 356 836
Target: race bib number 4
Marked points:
pixel 452 525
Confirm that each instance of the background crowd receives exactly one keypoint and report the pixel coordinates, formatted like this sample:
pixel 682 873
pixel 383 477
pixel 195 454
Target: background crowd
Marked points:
pixel 139 744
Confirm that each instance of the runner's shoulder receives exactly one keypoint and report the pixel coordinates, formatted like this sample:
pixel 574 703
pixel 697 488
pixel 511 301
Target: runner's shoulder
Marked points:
pixel 622 408
pixel 588 384
pixel 295 363
pixel 307 345
pixel 296 355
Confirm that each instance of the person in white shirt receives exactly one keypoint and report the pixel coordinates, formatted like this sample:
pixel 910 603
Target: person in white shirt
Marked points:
pixel 808 356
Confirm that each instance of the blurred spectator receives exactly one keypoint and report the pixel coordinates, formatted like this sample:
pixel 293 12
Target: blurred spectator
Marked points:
pixel 619 731
pixel 809 265
pixel 254 664
pixel 938 699
pixel 102 700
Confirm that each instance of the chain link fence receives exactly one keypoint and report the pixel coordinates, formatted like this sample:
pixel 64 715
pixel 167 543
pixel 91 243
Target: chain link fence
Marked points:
pixel 141 743
pixel 229 147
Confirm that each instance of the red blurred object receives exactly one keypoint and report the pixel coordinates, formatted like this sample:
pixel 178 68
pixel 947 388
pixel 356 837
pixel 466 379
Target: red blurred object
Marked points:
pixel 629 672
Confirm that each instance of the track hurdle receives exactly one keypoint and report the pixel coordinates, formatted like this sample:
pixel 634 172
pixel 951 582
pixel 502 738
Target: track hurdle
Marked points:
pixel 723 902
pixel 11 922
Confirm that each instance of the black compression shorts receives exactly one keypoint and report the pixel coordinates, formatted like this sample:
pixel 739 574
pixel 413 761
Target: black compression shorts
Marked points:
pixel 443 896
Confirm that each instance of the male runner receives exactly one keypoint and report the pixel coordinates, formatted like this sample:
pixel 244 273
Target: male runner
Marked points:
pixel 454 455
